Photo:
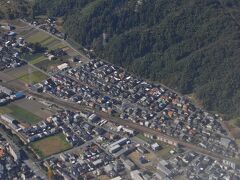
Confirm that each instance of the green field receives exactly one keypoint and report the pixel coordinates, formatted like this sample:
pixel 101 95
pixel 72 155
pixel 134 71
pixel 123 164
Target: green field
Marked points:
pixel 45 40
pixel 30 56
pixel 38 37
pixel 49 43
pixel 50 145
pixel 34 77
pixel 22 115
pixel 37 59
pixel 164 153
pixel 58 45
pixel 48 40
pixel 142 137
pixel 34 58
pixel 47 65
pixel 4 110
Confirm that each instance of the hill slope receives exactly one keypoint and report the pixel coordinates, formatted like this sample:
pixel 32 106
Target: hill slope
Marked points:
pixel 15 8
pixel 192 46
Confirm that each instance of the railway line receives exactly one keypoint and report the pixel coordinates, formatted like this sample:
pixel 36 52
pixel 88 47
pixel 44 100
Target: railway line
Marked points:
pixel 137 127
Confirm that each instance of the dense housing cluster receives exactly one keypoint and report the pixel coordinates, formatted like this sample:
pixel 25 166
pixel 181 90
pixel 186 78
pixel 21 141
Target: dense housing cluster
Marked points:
pixel 196 166
pixel 7 95
pixel 110 89
pixel 11 165
pixel 9 56
pixel 72 124
pixel 177 142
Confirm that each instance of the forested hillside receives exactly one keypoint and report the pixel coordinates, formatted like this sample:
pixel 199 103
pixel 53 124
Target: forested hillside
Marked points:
pixel 15 8
pixel 192 46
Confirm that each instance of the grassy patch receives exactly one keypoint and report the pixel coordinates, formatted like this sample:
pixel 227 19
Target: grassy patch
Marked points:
pixel 34 77
pixel 50 145
pixel 25 32
pixel 164 152
pixel 48 65
pixel 38 37
pixel 37 59
pixel 142 137
pixel 235 122
pixel 58 45
pixel 233 126
pixel 23 115
pixel 86 11
pixel 195 100
pixel 44 39
pixel 165 148
pixel 29 56
pixel 50 42
pixel 238 142
pixel 4 110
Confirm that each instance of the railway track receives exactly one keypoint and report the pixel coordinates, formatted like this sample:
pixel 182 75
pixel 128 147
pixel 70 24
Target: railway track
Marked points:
pixel 139 128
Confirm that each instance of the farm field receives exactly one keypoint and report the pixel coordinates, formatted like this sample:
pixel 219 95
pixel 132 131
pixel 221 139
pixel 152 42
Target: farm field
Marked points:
pixel 33 35
pixel 37 59
pixel 47 65
pixel 34 77
pixel 22 115
pixel 38 36
pixel 50 145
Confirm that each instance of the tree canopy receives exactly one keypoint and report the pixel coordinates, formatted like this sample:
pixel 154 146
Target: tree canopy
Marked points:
pixel 192 46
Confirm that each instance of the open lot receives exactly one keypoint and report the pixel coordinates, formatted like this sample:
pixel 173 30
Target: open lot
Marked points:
pixel 12 82
pixel 46 40
pixel 27 112
pixel 35 107
pixel 50 145
pixel 19 24
pixel 33 77
pixel 22 73
pixel 37 59
pixel 102 177
pixel 58 45
pixel 4 110
pixel 22 115
pixel 142 137
pixel 164 152
pixel 233 126
pixel 26 74
pixel 17 72
pixel 135 156
pixel 47 65
pixel 38 36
